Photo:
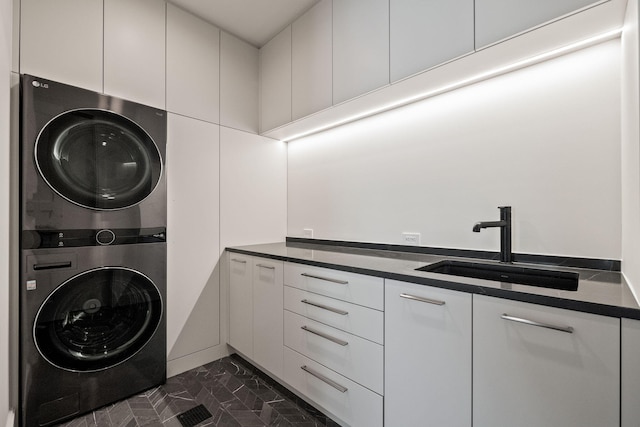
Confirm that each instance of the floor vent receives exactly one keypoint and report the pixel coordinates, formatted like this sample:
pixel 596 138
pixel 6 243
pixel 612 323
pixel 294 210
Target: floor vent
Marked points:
pixel 194 416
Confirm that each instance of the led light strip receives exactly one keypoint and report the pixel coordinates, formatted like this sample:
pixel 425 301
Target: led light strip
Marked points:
pixel 609 35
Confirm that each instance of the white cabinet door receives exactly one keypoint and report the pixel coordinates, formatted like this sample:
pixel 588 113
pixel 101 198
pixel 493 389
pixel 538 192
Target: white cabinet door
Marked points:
pixel 134 50
pixel 193 242
pixel 239 77
pixel 500 19
pixel 241 303
pixel 268 315
pixel 530 376
pixel 62 40
pixel 360 47
pixel 193 66
pixel 275 81
pixel 630 405
pixel 427 362
pixel 311 60
pixel 425 33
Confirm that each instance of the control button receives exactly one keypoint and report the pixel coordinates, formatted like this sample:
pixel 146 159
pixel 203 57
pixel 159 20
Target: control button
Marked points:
pixel 105 237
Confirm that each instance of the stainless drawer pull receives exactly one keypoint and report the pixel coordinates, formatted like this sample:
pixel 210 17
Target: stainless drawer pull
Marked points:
pixel 567 329
pixel 325 307
pixel 321 377
pixel 341 282
pixel 241 261
pixel 421 299
pixel 270 267
pixel 325 336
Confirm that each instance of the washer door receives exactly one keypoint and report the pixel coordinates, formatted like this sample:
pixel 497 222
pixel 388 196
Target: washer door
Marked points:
pixel 98 159
pixel 97 319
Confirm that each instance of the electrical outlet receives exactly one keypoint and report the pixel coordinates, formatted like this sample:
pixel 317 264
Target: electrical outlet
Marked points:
pixel 307 233
pixel 411 239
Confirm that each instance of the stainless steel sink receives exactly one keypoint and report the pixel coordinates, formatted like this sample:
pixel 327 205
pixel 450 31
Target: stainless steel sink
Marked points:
pixel 564 280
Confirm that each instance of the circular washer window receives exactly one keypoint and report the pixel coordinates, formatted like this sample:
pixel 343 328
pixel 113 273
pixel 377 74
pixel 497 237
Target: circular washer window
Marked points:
pixel 97 319
pixel 98 159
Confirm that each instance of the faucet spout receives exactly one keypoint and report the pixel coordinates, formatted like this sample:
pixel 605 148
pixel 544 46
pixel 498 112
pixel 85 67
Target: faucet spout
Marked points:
pixel 505 232
pixel 486 224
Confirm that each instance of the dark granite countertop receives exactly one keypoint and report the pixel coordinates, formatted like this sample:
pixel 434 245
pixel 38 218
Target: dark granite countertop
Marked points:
pixel 599 292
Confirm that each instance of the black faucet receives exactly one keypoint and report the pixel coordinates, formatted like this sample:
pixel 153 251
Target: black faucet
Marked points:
pixel 505 232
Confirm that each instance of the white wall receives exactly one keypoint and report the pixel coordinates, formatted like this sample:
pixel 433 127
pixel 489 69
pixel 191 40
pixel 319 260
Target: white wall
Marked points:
pixel 544 139
pixel 6 29
pixel 631 148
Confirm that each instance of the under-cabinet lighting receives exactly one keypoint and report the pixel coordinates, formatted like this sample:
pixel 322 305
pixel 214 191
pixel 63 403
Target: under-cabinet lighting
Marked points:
pixel 609 35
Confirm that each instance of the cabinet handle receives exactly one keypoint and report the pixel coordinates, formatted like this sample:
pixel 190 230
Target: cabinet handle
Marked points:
pixel 341 282
pixel 325 307
pixel 241 261
pixel 270 267
pixel 322 378
pixel 325 336
pixel 421 299
pixel 567 329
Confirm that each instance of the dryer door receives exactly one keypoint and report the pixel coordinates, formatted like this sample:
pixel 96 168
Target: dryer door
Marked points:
pixel 98 319
pixel 98 159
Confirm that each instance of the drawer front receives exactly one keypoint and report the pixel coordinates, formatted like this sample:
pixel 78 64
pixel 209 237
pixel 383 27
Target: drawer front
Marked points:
pixel 350 287
pixel 354 357
pixel 355 406
pixel 356 319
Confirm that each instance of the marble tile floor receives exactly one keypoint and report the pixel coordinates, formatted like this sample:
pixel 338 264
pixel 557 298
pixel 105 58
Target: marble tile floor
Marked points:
pixel 231 389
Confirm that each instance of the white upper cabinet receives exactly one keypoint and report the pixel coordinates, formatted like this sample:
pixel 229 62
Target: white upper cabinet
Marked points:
pixel 311 57
pixel 62 40
pixel 193 66
pixel 499 19
pixel 360 47
pixel 239 87
pixel 134 50
pixel 275 81
pixel 425 33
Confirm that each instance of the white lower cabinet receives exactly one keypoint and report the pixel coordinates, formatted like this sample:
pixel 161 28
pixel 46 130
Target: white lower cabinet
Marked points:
pixel 267 314
pixel 256 310
pixel 427 356
pixel 333 337
pixel 439 357
pixel 241 303
pixel 541 366
pixel 353 404
pixel 630 369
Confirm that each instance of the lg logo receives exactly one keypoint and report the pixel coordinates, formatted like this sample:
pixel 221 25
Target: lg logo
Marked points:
pixel 38 84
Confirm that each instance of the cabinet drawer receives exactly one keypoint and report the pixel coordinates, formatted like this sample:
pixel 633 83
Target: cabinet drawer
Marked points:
pixel 351 287
pixel 356 319
pixel 356 406
pixel 354 357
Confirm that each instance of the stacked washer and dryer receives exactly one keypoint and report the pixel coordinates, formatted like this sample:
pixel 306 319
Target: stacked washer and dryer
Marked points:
pixel 93 250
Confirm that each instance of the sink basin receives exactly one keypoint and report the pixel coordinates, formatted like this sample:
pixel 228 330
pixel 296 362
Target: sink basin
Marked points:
pixel 564 280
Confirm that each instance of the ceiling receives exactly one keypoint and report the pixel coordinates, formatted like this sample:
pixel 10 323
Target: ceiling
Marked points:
pixel 254 21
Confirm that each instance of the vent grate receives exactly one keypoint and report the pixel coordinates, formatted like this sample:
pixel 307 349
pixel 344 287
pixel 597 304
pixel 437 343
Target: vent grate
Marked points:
pixel 194 416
